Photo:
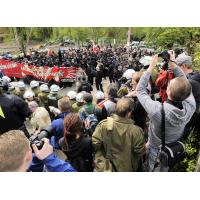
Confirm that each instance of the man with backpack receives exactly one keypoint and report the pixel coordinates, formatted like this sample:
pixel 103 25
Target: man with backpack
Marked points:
pixel 117 142
pixel 84 86
pixel 88 113
pixel 178 110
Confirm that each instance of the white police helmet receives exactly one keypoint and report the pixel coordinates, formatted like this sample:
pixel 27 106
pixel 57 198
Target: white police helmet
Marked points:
pixel 11 86
pixel 100 95
pixel 79 97
pixel 71 94
pixel 34 84
pixel 6 78
pixel 21 85
pixel 44 88
pixel 54 89
pixel 28 94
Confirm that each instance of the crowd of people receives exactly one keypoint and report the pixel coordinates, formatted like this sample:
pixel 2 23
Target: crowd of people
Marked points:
pixel 118 128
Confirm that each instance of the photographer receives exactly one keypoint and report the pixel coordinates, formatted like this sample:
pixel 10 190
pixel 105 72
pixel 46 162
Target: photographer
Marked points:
pixel 178 109
pixel 16 155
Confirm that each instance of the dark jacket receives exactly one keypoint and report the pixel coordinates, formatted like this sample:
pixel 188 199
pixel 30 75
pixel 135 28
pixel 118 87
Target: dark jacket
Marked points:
pixel 99 76
pixel 13 111
pixel 85 87
pixel 139 114
pixel 194 79
pixel 79 153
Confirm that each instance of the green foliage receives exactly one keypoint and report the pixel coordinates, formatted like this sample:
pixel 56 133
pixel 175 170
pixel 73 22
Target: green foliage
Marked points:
pixel 189 163
pixel 197 56
pixel 42 34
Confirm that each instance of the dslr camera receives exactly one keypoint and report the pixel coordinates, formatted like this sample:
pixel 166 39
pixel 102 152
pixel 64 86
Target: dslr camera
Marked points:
pixel 37 139
pixel 166 57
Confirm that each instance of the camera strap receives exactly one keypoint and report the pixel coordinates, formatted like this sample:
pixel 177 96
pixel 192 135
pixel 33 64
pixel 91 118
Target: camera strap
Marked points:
pixel 163 126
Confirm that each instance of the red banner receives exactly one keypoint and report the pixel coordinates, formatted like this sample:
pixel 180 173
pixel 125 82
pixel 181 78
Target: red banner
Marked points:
pixel 18 70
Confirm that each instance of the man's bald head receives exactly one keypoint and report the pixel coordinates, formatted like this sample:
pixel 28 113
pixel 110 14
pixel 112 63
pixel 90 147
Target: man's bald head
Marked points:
pixel 124 106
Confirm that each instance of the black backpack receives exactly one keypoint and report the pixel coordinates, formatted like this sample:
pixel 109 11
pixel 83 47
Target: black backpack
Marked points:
pixel 86 87
pixel 79 154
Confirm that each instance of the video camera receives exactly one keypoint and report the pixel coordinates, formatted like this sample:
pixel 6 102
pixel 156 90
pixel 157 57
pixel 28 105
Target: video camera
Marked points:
pixel 37 138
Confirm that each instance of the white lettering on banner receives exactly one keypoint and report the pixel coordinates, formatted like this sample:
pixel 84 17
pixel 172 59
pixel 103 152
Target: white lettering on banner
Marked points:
pixel 9 66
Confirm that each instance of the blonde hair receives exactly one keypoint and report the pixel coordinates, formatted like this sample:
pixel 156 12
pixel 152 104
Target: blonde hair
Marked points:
pixel 180 89
pixel 64 104
pixel 13 148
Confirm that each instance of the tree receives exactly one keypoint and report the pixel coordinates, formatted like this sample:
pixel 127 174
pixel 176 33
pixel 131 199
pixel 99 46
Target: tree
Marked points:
pixel 42 33
pixel 22 37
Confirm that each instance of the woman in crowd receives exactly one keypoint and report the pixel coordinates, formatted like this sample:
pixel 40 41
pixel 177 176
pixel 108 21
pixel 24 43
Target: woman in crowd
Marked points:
pixel 75 145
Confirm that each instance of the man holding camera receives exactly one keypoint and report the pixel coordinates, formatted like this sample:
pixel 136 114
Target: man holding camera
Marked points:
pixel 178 109
pixel 16 155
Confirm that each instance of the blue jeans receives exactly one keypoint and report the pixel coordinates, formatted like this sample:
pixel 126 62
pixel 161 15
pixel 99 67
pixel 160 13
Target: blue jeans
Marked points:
pixel 153 158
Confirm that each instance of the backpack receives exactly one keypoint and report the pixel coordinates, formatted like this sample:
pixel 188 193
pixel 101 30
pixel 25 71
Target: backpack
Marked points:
pixel 91 121
pixel 80 157
pixel 85 87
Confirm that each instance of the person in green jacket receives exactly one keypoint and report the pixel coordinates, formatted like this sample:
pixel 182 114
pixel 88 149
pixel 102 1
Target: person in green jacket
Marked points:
pixel 127 144
pixel 79 103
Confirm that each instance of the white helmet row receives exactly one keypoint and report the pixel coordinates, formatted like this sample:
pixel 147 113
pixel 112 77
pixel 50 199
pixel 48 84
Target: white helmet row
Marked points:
pixel 44 88
pixel 34 84
pixel 71 94
pixel 54 89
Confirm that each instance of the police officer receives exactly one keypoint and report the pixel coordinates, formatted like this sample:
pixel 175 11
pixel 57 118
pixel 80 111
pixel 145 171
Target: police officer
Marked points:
pixel 29 96
pixel 35 88
pixel 72 96
pixel 53 97
pixel 43 95
pixel 13 111
pixel 20 89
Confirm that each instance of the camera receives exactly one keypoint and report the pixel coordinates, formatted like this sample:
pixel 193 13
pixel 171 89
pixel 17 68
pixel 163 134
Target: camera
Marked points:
pixel 166 57
pixel 178 51
pixel 37 139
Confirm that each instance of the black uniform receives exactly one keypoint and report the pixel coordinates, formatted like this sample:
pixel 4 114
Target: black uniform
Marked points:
pixel 13 111
pixel 99 81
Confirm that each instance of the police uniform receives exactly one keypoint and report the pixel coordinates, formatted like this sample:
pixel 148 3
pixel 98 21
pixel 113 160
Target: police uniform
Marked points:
pixel 43 99
pixel 19 93
pixel 53 99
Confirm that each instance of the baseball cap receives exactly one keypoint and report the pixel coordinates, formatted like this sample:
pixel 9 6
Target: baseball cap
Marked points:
pixel 184 59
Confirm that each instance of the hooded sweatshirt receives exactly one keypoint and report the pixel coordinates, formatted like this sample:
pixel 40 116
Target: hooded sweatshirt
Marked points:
pixel 175 117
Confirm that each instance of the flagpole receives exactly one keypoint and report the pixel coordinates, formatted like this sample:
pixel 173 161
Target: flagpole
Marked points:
pixel 129 39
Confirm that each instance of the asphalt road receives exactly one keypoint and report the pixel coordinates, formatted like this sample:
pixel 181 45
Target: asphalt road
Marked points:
pixel 67 89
